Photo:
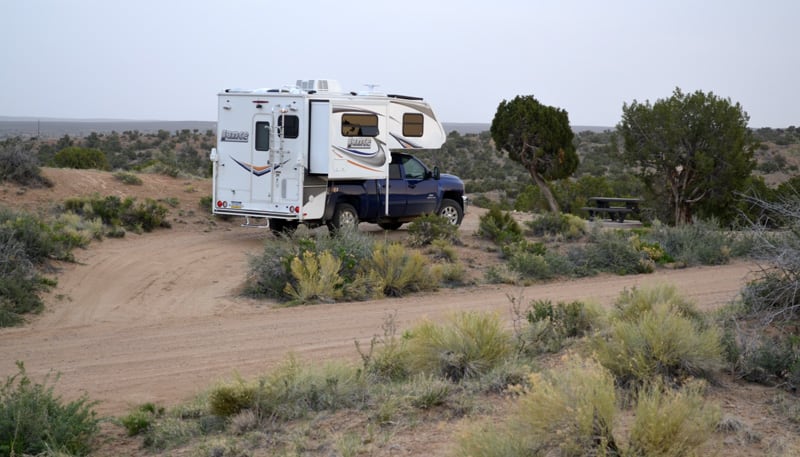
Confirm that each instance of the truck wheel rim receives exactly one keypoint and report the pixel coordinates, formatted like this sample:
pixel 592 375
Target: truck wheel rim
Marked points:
pixel 347 219
pixel 450 214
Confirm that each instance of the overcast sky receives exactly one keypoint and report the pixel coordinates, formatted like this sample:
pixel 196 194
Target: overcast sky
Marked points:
pixel 167 59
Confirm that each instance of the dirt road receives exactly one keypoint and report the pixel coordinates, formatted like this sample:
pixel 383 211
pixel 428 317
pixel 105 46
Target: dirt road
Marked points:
pixel 158 318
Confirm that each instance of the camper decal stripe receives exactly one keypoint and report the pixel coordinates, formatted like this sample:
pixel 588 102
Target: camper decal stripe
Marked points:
pixel 370 158
pixel 258 170
pixel 405 143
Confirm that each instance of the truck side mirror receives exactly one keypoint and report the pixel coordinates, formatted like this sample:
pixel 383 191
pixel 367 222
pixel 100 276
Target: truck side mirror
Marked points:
pixel 436 174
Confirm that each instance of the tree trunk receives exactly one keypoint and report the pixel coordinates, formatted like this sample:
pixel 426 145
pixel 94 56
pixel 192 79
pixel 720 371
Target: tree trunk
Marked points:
pixel 545 189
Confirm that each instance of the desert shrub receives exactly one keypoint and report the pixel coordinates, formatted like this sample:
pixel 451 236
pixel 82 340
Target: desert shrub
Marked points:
pixel 128 178
pixel 633 303
pixel 81 158
pixel 396 271
pixel 568 412
pixel 293 389
pixel 467 345
pixel 442 250
pixel 700 243
pixel 550 327
pixel 19 165
pixel 499 226
pixel 551 224
pixel 612 251
pixel 428 228
pixel 672 423
pixel 141 419
pixel 352 247
pixel 387 358
pixel 205 202
pixel 34 420
pixel 270 271
pixel 116 212
pixel 426 391
pixel 26 243
pixel 229 398
pixel 316 278
pixel 659 343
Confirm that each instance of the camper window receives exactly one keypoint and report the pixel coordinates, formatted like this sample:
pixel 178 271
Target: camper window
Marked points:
pixel 412 124
pixel 359 125
pixel 262 136
pixel 290 126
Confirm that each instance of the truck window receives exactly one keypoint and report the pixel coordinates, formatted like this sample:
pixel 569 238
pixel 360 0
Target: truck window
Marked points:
pixel 289 125
pixel 359 125
pixel 414 168
pixel 394 171
pixel 412 124
pixel 262 136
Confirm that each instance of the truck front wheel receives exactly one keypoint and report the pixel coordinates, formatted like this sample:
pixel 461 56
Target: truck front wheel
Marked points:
pixel 344 217
pixel 451 211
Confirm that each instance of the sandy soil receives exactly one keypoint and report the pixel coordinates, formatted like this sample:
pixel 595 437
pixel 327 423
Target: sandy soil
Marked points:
pixel 158 317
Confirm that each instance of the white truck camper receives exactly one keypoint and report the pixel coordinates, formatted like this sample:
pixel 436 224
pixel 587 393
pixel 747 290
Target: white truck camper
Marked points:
pixel 281 152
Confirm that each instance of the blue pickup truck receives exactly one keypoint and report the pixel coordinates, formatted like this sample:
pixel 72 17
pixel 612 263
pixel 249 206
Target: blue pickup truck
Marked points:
pixel 414 190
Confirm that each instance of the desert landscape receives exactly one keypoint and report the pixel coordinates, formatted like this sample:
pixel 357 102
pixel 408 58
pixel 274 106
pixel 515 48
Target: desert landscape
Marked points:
pixel 159 317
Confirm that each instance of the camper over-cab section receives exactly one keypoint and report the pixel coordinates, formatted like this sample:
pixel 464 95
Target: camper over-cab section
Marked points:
pixel 279 150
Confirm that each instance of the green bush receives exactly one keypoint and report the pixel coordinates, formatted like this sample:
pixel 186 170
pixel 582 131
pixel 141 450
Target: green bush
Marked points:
pixel 228 399
pixel 499 226
pixel 429 228
pixel 81 158
pixel 468 345
pixel 33 420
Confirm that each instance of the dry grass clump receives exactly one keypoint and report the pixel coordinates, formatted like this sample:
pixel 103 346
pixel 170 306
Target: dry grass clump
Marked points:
pixel 469 344
pixel 397 271
pixel 655 334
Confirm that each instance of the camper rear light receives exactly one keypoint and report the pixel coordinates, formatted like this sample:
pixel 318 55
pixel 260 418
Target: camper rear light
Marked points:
pixel 221 204
pixel 294 209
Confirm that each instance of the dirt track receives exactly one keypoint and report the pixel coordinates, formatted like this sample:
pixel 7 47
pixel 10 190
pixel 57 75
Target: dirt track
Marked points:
pixel 157 317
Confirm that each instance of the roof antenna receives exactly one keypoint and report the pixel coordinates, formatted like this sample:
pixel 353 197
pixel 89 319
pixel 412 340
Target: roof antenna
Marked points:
pixel 371 88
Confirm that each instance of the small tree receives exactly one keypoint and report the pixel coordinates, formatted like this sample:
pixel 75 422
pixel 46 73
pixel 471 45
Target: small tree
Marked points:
pixel 693 151
pixel 81 158
pixel 539 137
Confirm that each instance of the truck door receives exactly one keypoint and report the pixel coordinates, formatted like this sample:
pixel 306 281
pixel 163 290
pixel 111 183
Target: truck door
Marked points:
pixel 398 190
pixel 419 188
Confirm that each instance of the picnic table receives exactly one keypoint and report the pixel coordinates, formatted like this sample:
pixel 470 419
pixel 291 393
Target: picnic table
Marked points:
pixel 612 208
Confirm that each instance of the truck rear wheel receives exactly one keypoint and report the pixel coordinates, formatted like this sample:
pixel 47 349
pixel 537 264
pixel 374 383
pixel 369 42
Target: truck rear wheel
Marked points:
pixel 344 217
pixel 451 211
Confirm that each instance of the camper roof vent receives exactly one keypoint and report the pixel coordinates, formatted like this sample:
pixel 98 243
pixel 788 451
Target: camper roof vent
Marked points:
pixel 319 85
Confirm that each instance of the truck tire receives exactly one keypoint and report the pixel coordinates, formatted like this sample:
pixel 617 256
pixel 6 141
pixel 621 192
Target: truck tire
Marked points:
pixel 390 225
pixel 451 211
pixel 344 217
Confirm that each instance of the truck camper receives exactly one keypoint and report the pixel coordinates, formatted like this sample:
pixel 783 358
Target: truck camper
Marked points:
pixel 312 154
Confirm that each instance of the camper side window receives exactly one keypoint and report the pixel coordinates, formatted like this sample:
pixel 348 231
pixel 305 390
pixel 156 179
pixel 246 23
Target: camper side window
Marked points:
pixel 290 126
pixel 412 124
pixel 359 125
pixel 262 136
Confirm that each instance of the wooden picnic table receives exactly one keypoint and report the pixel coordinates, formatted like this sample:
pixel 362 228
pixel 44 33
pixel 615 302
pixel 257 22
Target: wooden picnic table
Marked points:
pixel 613 208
